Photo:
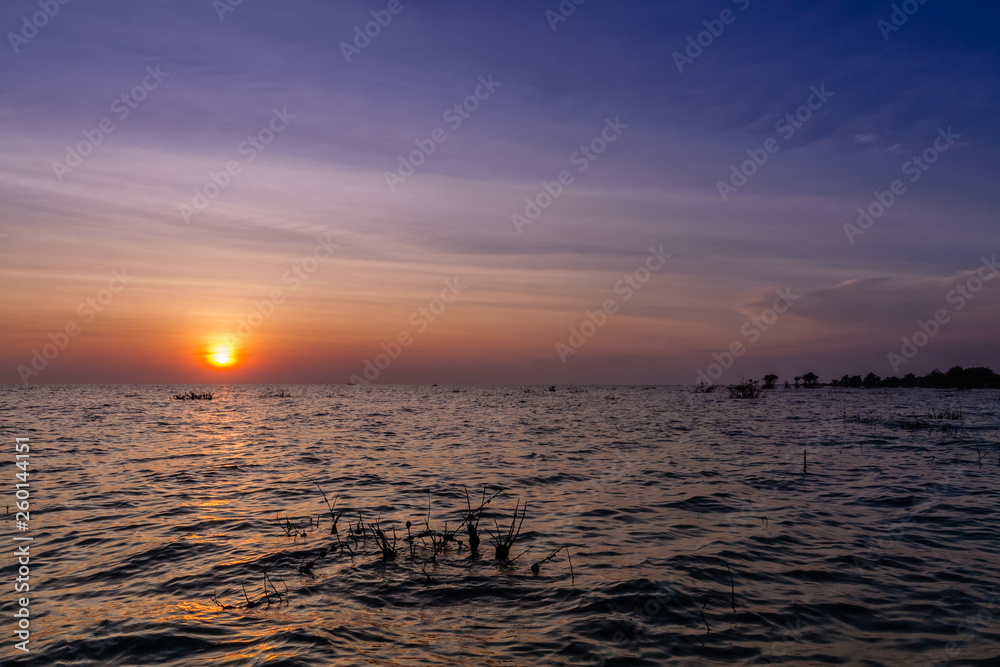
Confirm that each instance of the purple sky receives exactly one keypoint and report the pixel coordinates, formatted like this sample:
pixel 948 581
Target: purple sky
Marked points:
pixel 243 189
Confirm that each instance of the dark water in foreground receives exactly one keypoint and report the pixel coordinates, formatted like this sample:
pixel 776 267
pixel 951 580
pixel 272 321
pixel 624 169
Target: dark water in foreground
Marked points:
pixel 884 552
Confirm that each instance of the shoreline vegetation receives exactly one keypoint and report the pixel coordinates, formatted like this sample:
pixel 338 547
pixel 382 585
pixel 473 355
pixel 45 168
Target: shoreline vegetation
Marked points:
pixel 956 377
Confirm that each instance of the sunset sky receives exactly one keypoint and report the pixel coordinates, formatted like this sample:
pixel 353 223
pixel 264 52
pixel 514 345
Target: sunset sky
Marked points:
pixel 281 120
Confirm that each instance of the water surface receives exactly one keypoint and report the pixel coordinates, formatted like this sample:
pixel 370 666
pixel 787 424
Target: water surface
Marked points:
pixel 696 532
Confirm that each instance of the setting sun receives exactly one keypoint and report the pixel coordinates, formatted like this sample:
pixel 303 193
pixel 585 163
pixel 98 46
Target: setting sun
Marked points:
pixel 222 356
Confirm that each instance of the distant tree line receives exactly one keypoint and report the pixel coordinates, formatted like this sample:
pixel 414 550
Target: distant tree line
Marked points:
pixel 956 378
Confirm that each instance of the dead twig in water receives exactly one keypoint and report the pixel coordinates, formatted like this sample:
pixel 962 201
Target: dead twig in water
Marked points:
pixel 537 566
pixel 215 599
pixel 333 517
pixel 701 611
pixel 732 589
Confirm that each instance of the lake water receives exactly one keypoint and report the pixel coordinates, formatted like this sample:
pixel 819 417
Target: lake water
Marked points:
pixel 695 532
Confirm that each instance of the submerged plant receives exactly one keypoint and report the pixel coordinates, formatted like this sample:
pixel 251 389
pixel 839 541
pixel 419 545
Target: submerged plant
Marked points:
pixel 471 520
pixel 503 542
pixel 424 546
pixel 746 389
pixel 268 597
pixel 946 414
pixel 192 396
pixel 334 517
pixel 389 551
pixel 536 567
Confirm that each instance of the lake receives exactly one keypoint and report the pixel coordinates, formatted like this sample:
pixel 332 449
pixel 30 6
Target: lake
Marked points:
pixel 822 526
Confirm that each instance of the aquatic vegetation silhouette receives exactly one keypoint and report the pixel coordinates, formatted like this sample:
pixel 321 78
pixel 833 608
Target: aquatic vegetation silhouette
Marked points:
pixel 502 543
pixel 471 520
pixel 536 567
pixel 746 389
pixel 422 547
pixel 193 396
pixel 945 414
pixel 267 598
pixel 388 550
pixel 281 393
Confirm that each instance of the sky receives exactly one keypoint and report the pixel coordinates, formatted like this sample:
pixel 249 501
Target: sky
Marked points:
pixel 420 191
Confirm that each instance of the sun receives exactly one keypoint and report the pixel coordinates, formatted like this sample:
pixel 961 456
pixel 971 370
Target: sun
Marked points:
pixel 222 356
